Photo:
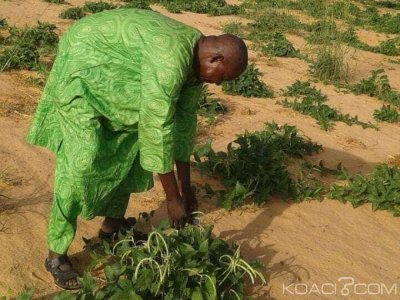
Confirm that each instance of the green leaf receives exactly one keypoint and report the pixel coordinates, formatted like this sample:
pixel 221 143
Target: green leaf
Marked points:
pixel 87 282
pixel 204 246
pixel 114 271
pixel 187 250
pixel 27 295
pixel 65 295
pixel 197 295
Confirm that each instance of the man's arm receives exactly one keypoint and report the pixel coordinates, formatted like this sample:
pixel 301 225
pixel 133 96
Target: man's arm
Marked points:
pixel 185 186
pixel 175 203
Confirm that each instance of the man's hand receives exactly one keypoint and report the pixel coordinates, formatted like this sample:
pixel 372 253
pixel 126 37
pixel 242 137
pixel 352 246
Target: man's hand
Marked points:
pixel 176 212
pixel 175 203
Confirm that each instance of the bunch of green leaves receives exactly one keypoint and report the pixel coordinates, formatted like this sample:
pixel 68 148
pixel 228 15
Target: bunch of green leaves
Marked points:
pixel 248 84
pixel 377 85
pixel 313 103
pixel 24 46
pixel 254 164
pixel 171 264
pixel 381 189
pixel 387 114
pixel 278 45
pixel 211 7
pixel 95 7
pixel 210 106
pixel 72 13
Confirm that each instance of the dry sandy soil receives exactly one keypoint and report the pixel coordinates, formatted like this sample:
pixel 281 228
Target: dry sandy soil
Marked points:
pixel 310 243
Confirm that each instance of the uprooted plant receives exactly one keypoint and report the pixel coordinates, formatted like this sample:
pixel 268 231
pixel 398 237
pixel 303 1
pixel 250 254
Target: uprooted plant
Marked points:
pixel 171 264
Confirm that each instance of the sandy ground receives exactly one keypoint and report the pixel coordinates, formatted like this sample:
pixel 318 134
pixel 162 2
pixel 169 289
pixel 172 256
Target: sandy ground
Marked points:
pixel 303 246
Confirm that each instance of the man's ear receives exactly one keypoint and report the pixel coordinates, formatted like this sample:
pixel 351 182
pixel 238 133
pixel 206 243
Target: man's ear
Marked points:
pixel 217 58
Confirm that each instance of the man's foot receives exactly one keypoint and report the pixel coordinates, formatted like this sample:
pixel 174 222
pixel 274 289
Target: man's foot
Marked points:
pixel 61 268
pixel 112 226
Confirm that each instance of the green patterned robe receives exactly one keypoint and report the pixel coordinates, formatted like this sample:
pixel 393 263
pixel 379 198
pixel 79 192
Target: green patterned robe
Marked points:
pixel 119 104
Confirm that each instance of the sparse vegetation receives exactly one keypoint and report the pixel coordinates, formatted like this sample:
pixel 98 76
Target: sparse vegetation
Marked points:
pixel 56 1
pixel 254 165
pixel 95 7
pixel 142 4
pixel 24 46
pixel 210 106
pixel 272 21
pixel 72 13
pixel 387 114
pixel 211 7
pixel 233 28
pixel 377 85
pixel 329 62
pixel 381 189
pixel 248 84
pixel 278 45
pixel 313 103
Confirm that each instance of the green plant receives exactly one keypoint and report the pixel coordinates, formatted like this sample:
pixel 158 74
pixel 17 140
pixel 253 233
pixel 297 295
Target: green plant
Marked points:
pixel 72 13
pixel 21 56
pixel 171 264
pixel 95 7
pixel 381 189
pixel 387 114
pixel 313 103
pixel 209 106
pixel 254 165
pixel 24 46
pixel 272 21
pixel 388 47
pixel 233 28
pixel 279 46
pixel 248 84
pixel 142 4
pixel 56 1
pixel 211 7
pixel 329 62
pixel 3 23
pixel 377 85
pixel 321 31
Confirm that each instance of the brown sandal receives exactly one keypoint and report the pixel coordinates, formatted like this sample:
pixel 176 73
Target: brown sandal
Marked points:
pixel 62 277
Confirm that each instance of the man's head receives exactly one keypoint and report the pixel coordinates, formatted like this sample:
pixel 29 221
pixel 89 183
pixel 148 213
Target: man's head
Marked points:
pixel 220 58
